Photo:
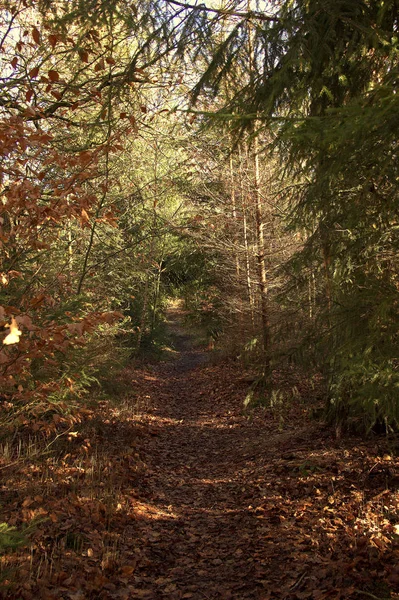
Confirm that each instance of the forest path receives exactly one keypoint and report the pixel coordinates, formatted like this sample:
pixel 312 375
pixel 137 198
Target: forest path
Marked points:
pixel 229 506
pixel 168 490
pixel 185 341
pixel 202 526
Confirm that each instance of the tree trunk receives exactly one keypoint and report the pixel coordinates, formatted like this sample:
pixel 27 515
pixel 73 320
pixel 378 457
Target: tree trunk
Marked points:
pixel 260 258
pixel 248 281
pixel 143 320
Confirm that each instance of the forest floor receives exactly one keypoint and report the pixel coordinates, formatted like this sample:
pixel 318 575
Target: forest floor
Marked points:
pixel 177 492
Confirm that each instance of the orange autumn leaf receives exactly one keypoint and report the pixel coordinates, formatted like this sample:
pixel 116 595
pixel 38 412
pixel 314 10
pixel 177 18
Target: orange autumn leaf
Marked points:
pixel 84 217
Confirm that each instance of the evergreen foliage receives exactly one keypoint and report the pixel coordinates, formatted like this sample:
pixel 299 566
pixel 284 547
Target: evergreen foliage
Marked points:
pixel 324 81
pixel 310 84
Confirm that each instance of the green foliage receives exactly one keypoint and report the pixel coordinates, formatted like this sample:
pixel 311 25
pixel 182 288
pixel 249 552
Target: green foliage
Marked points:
pixel 192 273
pixel 11 538
pixel 341 153
pixel 151 214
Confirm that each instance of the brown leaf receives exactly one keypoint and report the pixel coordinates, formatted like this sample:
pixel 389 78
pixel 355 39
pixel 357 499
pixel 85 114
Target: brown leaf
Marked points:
pixel 100 66
pixel 57 95
pixel 127 570
pixel 85 158
pixel 53 39
pixel 37 300
pixel 53 75
pixel 34 72
pixel 26 321
pixel 84 217
pixel 36 35
pixel 84 56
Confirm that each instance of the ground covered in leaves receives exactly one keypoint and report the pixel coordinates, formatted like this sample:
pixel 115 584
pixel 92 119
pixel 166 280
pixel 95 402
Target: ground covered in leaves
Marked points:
pixel 177 492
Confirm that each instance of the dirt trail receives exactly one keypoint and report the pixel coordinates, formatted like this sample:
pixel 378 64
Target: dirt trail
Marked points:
pixel 190 355
pixel 232 507
pixel 204 536
pixel 172 492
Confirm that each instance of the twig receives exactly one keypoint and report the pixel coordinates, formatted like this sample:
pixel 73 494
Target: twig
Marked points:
pixel 298 582
pixel 224 12
pixel 370 595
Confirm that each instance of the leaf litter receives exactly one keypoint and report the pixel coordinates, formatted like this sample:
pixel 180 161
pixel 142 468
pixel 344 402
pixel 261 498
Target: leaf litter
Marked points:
pixel 180 493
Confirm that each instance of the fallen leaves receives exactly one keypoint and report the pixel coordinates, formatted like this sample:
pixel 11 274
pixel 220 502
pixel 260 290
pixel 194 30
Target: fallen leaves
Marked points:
pixel 185 496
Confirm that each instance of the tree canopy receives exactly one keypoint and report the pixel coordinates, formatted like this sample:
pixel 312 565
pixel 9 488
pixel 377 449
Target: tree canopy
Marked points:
pixel 223 151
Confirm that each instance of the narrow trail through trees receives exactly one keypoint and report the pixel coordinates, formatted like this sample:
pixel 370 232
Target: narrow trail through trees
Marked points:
pixel 173 491
pixel 205 537
pixel 233 507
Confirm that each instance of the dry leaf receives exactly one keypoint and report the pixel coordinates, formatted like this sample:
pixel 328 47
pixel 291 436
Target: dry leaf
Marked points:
pixel 36 35
pixel 14 335
pixel 84 218
pixel 53 75
pixel 127 570
pixel 53 39
pixel 84 56
pixel 34 72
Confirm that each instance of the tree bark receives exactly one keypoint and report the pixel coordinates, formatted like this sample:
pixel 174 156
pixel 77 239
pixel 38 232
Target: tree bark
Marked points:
pixel 260 258
pixel 248 280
